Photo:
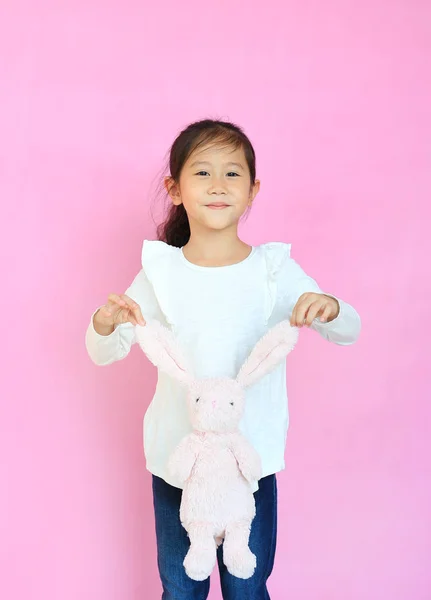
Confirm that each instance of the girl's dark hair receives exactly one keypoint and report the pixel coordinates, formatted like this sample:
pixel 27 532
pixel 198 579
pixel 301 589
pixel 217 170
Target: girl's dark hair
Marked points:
pixel 175 230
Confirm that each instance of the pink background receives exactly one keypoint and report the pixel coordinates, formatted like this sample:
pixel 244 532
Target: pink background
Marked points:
pixel 336 97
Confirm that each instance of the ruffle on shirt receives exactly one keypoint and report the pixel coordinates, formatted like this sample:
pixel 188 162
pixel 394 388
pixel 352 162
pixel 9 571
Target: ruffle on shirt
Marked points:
pixel 156 261
pixel 276 254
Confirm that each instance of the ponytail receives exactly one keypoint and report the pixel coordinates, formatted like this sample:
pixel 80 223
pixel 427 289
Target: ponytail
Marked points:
pixel 175 231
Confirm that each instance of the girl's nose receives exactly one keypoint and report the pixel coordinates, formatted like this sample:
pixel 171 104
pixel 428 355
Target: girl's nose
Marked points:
pixel 217 187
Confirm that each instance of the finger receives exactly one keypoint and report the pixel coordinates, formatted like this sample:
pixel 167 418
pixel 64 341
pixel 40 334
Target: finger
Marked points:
pixel 313 311
pixel 135 308
pixel 139 317
pixel 326 313
pixel 131 319
pixel 116 299
pixel 294 320
pixel 125 315
pixel 128 309
pixel 301 310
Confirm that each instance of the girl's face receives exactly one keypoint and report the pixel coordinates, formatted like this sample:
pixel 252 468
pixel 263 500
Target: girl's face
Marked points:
pixel 214 187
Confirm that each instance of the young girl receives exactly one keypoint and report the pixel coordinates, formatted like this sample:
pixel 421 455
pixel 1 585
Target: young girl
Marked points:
pixel 219 295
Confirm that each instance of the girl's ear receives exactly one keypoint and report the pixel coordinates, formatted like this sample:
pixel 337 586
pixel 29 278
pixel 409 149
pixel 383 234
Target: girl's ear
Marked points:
pixel 162 349
pixel 268 353
pixel 254 191
pixel 173 190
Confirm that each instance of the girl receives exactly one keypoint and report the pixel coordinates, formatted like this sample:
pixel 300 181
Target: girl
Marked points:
pixel 219 295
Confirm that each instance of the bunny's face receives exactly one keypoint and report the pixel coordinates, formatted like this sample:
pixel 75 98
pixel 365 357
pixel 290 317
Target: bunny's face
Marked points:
pixel 216 405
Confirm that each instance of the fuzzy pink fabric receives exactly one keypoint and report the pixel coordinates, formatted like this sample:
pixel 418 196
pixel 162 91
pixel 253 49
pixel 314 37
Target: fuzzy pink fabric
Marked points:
pixel 217 466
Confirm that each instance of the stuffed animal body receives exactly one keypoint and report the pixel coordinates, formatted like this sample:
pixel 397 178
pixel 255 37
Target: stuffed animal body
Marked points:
pixel 215 464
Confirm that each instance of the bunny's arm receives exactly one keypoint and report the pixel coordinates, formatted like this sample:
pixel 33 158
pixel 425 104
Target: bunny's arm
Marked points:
pixel 248 459
pixel 183 458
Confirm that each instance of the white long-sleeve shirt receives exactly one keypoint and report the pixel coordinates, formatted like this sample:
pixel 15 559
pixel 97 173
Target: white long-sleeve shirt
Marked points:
pixel 218 314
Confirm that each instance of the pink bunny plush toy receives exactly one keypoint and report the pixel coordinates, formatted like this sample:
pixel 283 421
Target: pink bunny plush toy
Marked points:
pixel 217 466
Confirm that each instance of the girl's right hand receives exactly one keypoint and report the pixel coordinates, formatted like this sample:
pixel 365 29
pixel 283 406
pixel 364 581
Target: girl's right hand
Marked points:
pixel 118 310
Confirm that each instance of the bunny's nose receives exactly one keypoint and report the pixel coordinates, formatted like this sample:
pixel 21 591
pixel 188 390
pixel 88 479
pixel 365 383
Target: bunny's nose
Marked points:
pixel 213 403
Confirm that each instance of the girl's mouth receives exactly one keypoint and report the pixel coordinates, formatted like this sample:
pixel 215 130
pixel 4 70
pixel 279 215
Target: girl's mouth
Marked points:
pixel 217 205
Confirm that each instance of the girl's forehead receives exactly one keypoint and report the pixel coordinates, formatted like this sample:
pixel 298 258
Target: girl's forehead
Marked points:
pixel 214 153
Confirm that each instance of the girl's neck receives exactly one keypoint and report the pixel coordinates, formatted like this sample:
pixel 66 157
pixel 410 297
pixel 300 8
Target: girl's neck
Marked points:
pixel 215 249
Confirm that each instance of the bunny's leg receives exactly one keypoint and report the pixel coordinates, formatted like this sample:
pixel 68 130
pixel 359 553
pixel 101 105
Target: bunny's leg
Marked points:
pixel 201 558
pixel 237 556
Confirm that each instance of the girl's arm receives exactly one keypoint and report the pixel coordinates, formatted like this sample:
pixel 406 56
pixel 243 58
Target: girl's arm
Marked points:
pixel 106 349
pixel 343 330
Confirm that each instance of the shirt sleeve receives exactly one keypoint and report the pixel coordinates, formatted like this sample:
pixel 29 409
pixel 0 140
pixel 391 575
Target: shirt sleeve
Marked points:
pixel 344 330
pixel 106 349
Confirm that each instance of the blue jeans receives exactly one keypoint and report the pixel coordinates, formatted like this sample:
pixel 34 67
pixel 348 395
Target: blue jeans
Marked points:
pixel 173 544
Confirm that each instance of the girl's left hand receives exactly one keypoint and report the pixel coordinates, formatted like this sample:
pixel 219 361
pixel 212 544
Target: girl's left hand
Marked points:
pixel 310 306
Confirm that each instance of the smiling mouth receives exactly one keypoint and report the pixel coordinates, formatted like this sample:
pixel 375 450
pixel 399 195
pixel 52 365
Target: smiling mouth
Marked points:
pixel 217 205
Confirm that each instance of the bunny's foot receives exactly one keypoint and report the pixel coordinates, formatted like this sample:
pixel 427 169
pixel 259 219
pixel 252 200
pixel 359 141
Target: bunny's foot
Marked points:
pixel 237 556
pixel 201 557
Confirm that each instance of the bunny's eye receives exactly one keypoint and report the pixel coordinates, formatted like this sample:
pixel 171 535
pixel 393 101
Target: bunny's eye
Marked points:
pixel 197 399
pixel 231 403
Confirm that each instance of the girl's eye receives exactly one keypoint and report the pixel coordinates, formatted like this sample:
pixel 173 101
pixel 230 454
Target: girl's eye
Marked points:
pixel 205 173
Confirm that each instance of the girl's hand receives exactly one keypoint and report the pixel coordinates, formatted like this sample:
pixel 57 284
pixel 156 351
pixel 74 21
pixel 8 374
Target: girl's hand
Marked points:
pixel 310 306
pixel 118 310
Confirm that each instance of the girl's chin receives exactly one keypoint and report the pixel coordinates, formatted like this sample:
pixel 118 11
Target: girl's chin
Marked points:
pixel 216 220
pixel 218 225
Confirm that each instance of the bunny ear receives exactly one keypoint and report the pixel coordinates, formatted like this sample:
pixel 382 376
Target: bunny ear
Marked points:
pixel 268 353
pixel 162 349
